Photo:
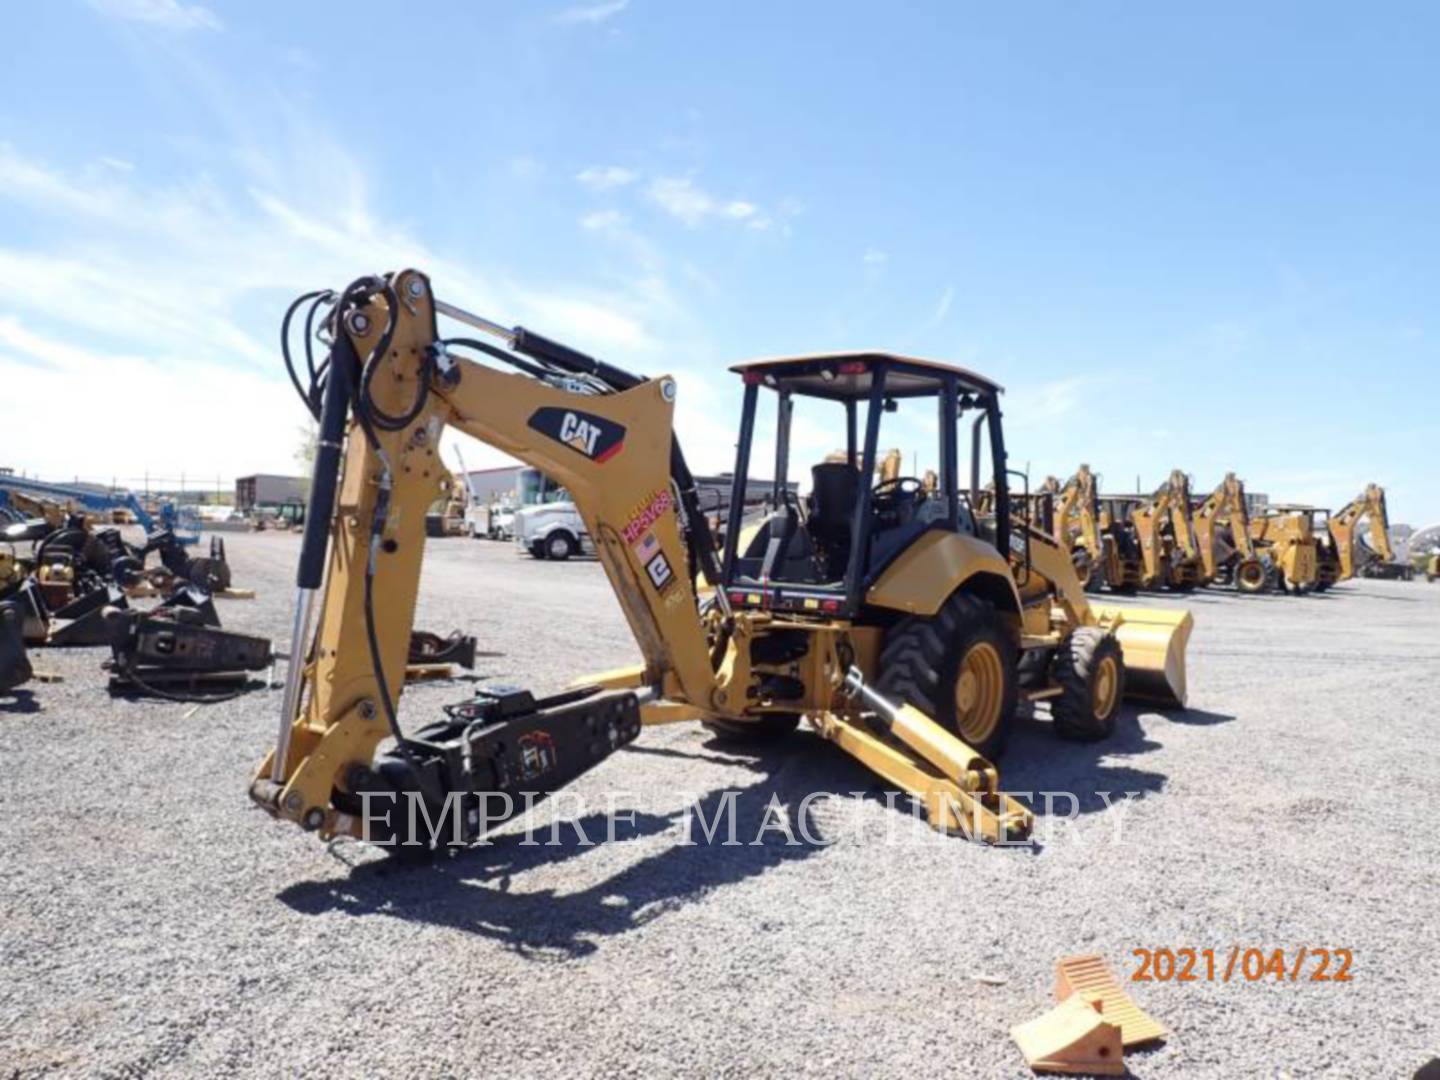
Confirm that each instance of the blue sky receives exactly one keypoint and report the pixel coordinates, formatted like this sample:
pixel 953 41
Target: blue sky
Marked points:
pixel 1198 236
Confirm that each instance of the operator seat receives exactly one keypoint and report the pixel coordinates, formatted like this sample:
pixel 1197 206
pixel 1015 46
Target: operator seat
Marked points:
pixel 834 491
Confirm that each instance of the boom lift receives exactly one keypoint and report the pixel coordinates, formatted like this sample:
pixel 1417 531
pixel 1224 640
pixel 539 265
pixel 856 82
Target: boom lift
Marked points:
pixel 1167 541
pixel 862 608
pixel 97 502
pixel 1341 545
pixel 1222 533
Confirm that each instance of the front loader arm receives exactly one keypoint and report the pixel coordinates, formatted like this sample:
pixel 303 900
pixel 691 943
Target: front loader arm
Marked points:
pixel 386 413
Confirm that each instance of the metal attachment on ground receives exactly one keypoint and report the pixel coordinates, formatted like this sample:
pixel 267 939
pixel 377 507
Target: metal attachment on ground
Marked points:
pixel 428 648
pixel 174 653
pixel 14 664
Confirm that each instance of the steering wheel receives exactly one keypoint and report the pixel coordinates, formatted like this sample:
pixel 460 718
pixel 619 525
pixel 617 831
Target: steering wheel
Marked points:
pixel 887 495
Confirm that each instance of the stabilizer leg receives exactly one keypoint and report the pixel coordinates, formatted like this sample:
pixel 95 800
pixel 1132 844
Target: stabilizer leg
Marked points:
pixel 959 787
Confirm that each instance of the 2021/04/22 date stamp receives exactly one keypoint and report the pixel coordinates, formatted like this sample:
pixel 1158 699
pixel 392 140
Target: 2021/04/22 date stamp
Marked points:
pixel 1304 963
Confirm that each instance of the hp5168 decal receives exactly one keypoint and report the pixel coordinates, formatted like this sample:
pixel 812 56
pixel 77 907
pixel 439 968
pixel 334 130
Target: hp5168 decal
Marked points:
pixel 593 436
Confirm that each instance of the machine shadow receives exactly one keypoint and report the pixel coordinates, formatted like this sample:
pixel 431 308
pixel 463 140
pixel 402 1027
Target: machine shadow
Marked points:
pixel 473 890
pixel 19 701
pixel 1039 761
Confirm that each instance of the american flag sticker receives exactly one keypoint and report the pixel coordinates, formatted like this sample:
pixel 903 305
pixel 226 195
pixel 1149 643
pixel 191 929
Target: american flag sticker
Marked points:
pixel 647 547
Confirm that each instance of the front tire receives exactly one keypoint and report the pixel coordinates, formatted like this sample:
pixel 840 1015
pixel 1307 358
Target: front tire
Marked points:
pixel 559 546
pixel 1090 669
pixel 957 667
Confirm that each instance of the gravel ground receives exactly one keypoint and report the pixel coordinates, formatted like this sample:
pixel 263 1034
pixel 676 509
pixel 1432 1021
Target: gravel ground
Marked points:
pixel 153 923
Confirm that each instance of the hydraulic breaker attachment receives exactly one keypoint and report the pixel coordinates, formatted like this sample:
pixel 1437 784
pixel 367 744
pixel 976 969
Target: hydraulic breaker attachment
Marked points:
pixel 1154 642
pixel 959 788
pixel 178 650
pixel 430 648
pixel 494 757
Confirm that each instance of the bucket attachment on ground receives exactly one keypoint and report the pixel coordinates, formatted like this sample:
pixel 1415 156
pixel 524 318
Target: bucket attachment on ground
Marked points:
pixel 1088 978
pixel 1073 1037
pixel 1154 642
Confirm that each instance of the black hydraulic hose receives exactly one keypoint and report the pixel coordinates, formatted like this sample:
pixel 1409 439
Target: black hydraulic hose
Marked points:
pixel 701 539
pixel 305 395
pixel 373 640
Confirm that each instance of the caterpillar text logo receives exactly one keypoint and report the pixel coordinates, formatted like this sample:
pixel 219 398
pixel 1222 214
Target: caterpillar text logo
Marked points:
pixel 594 436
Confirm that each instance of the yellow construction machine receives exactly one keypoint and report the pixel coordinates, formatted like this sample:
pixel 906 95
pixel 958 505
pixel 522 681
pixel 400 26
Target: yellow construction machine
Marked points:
pixel 1168 551
pixel 1077 528
pixel 1124 567
pixel 1285 535
pixel 1342 546
pixel 1227 552
pixel 904 627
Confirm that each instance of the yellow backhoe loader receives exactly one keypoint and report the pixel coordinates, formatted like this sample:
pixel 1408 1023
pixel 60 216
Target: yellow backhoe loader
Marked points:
pixel 1077 528
pixel 1341 544
pixel 902 625
pixel 1285 535
pixel 1169 553
pixel 1124 568
pixel 1222 533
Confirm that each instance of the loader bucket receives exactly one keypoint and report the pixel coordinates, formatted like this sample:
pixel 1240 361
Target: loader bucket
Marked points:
pixel 1154 642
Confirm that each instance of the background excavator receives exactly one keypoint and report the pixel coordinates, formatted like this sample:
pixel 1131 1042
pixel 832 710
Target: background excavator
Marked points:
pixel 1222 533
pixel 901 624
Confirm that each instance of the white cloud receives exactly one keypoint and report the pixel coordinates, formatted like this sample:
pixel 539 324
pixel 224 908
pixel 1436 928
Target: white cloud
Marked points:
pixel 169 14
pixel 874 257
pixel 606 177
pixel 525 167
pixel 603 221
pixel 692 206
pixel 172 295
pixel 1042 403
pixel 942 308
pixel 195 423
pixel 592 14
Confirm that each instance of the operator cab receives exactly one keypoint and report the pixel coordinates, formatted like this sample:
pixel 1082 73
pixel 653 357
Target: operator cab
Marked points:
pixel 820 551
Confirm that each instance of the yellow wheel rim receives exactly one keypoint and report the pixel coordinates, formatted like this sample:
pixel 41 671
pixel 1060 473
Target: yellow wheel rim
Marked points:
pixel 1107 683
pixel 979 693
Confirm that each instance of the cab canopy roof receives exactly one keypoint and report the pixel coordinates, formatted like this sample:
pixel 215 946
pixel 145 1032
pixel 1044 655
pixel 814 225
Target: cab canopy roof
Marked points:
pixel 848 376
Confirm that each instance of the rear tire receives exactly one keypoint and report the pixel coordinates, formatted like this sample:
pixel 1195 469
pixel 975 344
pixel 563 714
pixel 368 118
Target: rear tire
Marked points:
pixel 1252 576
pixel 957 667
pixel 1090 669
